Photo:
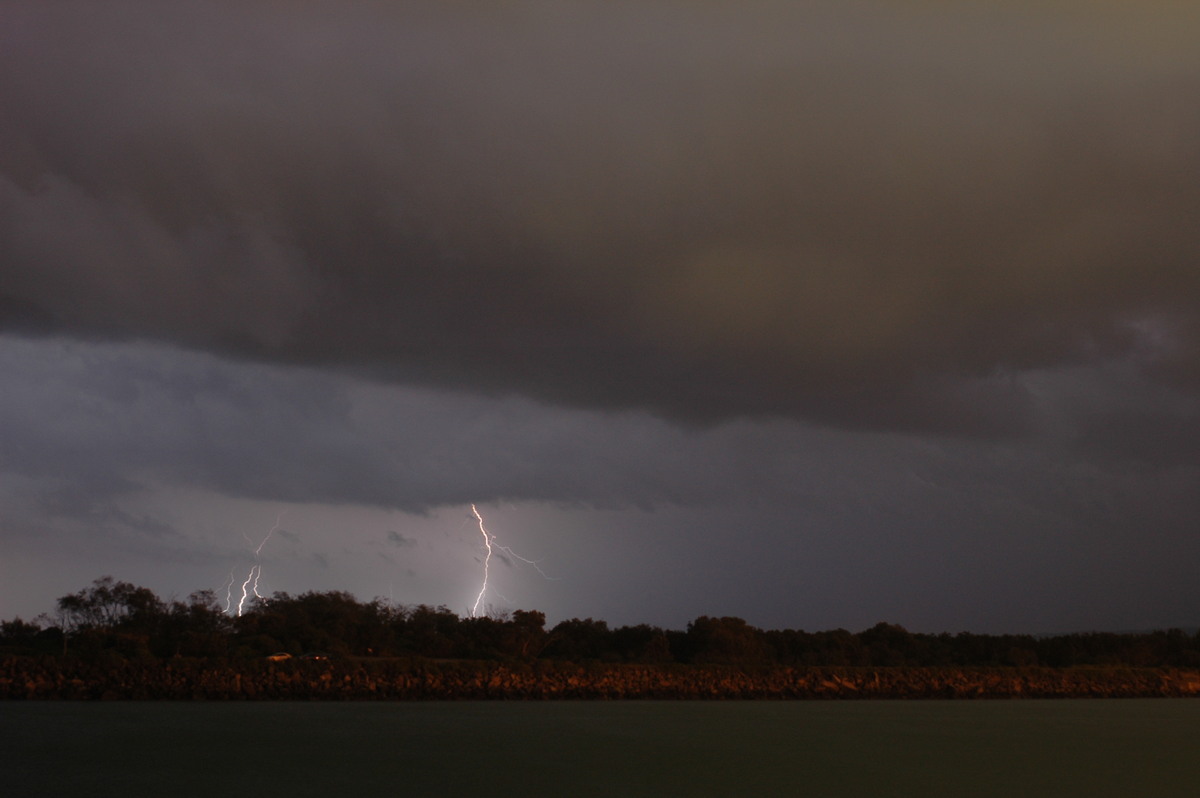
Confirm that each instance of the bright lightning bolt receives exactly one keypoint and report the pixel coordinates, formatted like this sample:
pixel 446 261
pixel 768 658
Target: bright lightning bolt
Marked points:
pixel 255 574
pixel 488 541
pixel 487 561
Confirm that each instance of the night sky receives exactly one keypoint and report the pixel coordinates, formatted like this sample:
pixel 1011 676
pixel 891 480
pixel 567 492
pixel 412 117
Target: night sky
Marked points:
pixel 817 314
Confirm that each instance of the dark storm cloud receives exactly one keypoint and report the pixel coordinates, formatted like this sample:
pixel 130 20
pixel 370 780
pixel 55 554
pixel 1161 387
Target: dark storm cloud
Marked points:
pixel 86 424
pixel 866 213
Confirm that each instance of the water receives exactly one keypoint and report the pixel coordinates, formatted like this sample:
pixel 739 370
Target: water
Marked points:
pixel 492 750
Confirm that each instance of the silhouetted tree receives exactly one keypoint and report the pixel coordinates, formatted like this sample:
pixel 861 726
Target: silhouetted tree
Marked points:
pixel 431 631
pixel 120 620
pixel 727 641
pixel 579 640
pixel 641 643
pixel 110 614
pixel 197 628
pixel 889 645
pixel 327 622
pixel 19 636
pixel 525 635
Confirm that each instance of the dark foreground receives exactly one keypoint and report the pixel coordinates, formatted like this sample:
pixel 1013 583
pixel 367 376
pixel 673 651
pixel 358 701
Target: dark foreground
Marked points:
pixel 815 749
pixel 408 679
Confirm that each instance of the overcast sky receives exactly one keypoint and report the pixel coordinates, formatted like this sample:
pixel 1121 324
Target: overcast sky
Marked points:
pixel 818 314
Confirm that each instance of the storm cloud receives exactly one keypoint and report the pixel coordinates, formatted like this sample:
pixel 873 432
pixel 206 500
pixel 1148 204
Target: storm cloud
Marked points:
pixel 867 214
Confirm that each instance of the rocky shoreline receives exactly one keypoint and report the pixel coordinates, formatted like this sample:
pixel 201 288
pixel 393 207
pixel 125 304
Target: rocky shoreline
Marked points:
pixel 35 678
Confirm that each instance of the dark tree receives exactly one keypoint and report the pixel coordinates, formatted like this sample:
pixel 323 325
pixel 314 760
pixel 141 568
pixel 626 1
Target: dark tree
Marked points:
pixel 111 614
pixel 727 641
pixel 578 641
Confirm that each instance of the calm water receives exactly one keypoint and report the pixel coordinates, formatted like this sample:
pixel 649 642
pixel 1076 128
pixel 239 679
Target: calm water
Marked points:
pixel 491 750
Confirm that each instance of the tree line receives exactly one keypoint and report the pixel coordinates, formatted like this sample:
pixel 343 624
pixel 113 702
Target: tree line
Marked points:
pixel 118 621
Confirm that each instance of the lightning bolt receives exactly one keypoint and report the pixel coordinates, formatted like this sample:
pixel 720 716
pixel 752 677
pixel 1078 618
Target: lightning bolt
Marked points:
pixel 487 561
pixel 255 574
pixel 255 586
pixel 489 542
pixel 534 563
pixel 228 588
pixel 278 520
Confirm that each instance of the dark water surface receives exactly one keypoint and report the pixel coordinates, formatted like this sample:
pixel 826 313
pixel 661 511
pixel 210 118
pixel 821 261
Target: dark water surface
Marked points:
pixel 495 749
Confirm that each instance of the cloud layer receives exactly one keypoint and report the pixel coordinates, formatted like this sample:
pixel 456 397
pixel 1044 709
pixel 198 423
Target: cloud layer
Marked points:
pixel 868 214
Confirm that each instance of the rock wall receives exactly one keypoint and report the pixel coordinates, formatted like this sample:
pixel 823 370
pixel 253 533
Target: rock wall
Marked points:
pixel 54 678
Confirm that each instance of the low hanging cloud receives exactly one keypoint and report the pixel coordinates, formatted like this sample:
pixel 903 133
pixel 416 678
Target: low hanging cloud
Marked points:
pixel 870 214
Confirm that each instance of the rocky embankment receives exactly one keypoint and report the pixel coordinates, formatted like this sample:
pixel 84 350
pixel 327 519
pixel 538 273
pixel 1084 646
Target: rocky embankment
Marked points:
pixel 53 678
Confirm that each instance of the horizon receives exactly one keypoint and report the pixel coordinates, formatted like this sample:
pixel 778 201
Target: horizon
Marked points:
pixel 47 620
